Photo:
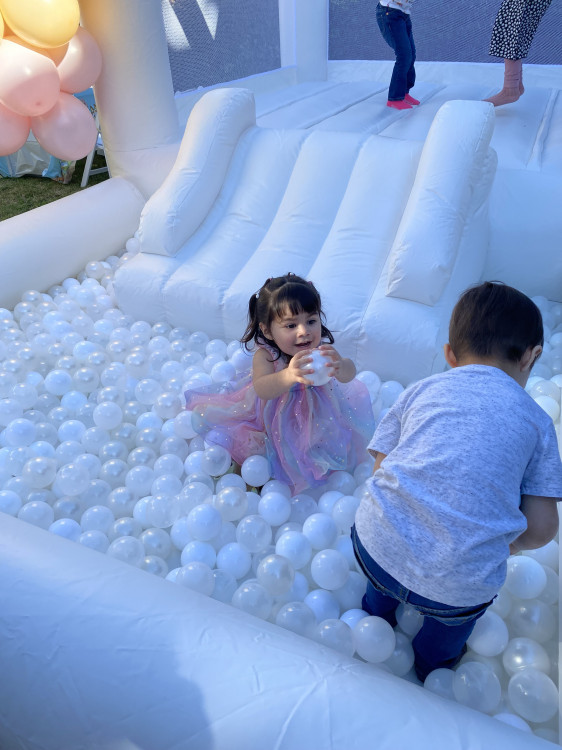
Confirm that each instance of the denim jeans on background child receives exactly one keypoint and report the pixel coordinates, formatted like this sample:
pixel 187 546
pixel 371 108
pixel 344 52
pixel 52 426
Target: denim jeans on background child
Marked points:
pixel 442 638
pixel 396 29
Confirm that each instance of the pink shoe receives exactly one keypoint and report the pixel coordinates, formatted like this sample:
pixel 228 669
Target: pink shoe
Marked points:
pixel 411 100
pixel 402 104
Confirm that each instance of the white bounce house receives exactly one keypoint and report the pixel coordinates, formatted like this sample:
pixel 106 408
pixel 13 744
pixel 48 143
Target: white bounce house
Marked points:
pixel 304 169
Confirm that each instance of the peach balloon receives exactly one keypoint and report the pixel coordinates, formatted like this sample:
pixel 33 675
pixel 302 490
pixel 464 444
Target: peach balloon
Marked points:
pixel 54 53
pixel 81 65
pixel 14 130
pixel 29 82
pixel 1 25
pixel 68 130
pixel 44 23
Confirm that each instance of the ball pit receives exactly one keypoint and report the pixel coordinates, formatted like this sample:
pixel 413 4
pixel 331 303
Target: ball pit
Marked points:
pixel 97 449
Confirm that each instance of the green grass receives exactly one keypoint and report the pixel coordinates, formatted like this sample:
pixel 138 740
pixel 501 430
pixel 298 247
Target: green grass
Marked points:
pixel 20 194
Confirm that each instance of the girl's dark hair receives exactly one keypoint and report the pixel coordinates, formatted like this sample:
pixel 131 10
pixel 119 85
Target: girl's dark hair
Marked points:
pixel 277 296
pixel 495 320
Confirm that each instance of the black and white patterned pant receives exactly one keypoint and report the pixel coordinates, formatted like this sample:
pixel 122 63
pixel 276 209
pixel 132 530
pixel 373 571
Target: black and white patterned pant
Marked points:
pixel 515 27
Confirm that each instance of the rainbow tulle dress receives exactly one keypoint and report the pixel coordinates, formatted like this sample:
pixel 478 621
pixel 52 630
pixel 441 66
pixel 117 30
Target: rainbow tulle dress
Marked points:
pixel 306 433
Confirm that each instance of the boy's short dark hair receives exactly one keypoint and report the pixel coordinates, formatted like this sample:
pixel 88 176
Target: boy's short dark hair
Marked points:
pixel 495 320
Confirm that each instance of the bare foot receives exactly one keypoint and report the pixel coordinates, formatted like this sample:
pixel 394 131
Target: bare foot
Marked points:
pixel 505 96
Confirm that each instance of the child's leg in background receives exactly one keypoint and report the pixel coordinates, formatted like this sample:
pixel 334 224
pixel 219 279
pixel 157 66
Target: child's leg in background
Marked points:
pixel 442 642
pixel 396 29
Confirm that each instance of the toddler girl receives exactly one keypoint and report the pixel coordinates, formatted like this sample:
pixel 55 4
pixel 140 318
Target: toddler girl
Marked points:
pixel 393 18
pixel 306 431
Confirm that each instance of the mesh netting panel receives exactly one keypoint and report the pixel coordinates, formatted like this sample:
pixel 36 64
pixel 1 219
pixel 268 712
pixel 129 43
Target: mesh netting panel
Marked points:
pixel 213 41
pixel 444 30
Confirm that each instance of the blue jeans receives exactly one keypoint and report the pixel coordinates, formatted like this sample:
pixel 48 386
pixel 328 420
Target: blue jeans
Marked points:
pixel 396 29
pixel 441 642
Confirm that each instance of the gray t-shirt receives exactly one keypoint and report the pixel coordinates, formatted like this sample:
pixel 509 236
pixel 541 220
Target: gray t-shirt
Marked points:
pixel 462 447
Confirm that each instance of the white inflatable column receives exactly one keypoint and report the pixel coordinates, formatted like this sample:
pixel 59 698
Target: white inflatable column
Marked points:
pixel 134 93
pixel 303 29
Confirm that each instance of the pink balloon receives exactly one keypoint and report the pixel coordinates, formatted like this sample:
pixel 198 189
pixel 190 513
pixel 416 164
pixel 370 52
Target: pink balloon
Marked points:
pixel 81 65
pixel 14 130
pixel 68 130
pixel 29 82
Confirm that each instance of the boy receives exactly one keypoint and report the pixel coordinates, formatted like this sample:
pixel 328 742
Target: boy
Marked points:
pixel 395 24
pixel 467 470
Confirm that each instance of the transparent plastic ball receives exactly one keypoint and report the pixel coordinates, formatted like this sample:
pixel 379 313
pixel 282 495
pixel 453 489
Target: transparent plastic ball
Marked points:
pixel 256 471
pixel 409 619
pixel 342 481
pixel 95 540
pixel 320 530
pixel 327 500
pixel 128 549
pixel 551 592
pixel 215 460
pixel 71 479
pixel 193 494
pixel 97 518
pixel 440 682
pixel 162 511
pixel 502 604
pixel 276 574
pixel 139 480
pixel 107 415
pixel 58 382
pixel 225 585
pixel 532 619
pixel 522 653
pixel 251 597
pixel 547 555
pixel 336 635
pixel 235 558
pixel 39 472
pixel 297 617
pixel 254 533
pixel 324 605
pixel 350 595
pixel 402 658
pixel 296 593
pixel 475 685
pixel 525 578
pixel 533 695
pixel 231 502
pixel 275 508
pixel 490 635
pixel 166 484
pixel 179 533
pixel 329 569
pixel 223 372
pixel 374 639
pixel 196 551
pixel 302 506
pixel 20 432
pixel 198 577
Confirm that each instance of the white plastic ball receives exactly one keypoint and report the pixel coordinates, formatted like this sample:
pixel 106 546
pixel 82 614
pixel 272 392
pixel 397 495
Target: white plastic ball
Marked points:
pixel 204 522
pixel 532 619
pixel 547 555
pixel 225 585
pixel 39 472
pixel 329 569
pixel 296 547
pixel 350 595
pixel 490 635
pixel 95 540
pixel 97 518
pixel 37 513
pixel 215 460
pixel 402 658
pixel 235 558
pixel 160 511
pixel 66 528
pixel 320 530
pixel 256 471
pixel 302 506
pixel 320 368
pixel 409 619
pixel 128 549
pixel 275 508
pixel 374 639
pixel 344 511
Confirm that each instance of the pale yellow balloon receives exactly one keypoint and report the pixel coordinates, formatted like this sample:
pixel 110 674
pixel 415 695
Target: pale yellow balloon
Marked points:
pixel 1 26
pixel 42 23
